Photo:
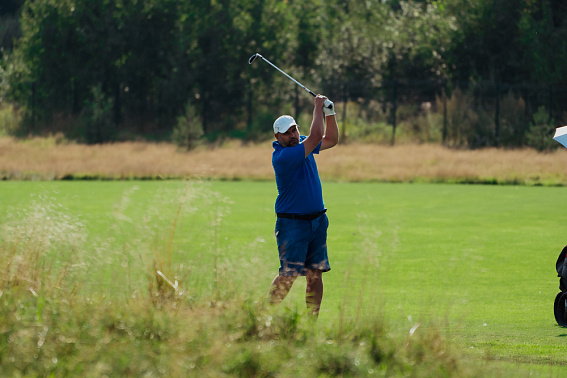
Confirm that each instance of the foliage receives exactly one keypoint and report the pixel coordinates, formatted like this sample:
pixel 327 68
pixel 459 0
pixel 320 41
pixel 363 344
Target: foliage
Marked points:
pixel 513 123
pixel 541 130
pixel 368 124
pixel 372 43
pixel 423 126
pixel 9 32
pixel 97 117
pixel 10 119
pixel 460 117
pixel 542 32
pixel 261 127
pixel 93 334
pixel 68 47
pixel 9 25
pixel 188 129
pixel 153 57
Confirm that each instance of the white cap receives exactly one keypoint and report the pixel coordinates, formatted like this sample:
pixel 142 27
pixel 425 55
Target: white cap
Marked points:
pixel 283 123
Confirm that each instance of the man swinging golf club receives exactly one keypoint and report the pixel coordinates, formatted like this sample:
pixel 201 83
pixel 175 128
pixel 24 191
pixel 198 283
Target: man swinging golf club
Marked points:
pixel 301 226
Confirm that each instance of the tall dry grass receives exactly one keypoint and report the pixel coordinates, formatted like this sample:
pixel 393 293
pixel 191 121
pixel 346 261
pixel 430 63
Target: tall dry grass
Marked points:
pixel 44 159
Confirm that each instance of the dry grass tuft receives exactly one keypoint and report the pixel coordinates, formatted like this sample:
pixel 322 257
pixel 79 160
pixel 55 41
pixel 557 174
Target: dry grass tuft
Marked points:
pixel 351 162
pixel 434 163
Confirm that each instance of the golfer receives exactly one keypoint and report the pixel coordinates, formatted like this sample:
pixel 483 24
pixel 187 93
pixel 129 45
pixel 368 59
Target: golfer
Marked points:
pixel 301 226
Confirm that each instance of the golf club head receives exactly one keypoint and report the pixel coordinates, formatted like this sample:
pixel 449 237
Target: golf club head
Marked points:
pixel 253 58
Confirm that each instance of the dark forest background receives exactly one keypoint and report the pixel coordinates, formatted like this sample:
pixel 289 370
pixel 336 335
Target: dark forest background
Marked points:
pixel 470 73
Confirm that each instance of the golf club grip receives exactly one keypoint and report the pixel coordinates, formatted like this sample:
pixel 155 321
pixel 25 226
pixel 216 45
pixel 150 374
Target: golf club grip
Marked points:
pixel 314 95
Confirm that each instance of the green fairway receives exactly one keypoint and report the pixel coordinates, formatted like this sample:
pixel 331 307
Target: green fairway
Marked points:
pixel 476 261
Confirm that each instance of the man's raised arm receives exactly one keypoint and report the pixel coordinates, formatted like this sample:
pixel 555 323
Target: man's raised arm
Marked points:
pixel 317 126
pixel 331 138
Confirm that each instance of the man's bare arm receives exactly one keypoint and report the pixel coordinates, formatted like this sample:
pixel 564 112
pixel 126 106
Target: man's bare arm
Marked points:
pixel 331 138
pixel 317 126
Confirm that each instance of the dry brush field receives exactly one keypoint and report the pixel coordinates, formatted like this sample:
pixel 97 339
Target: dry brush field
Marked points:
pixel 44 159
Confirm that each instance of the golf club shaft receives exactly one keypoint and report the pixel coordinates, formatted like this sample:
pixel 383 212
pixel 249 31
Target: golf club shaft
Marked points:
pixel 295 81
pixel 328 103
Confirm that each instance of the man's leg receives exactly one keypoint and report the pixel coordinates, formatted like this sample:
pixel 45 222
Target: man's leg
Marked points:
pixel 280 287
pixel 314 291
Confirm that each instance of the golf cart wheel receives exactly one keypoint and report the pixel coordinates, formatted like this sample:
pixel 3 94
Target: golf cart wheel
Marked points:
pixel 559 309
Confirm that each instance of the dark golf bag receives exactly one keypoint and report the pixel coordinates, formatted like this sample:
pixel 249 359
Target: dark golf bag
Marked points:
pixel 560 305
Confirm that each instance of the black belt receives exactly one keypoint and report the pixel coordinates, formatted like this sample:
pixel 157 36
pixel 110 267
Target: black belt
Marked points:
pixel 302 216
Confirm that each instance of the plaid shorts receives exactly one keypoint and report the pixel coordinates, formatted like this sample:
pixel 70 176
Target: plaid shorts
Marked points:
pixel 302 245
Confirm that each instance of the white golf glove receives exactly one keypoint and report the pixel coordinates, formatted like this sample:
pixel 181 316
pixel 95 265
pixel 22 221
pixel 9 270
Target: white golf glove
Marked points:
pixel 329 107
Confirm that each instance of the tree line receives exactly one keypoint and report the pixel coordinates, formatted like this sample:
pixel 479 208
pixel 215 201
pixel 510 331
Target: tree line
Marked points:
pixel 96 69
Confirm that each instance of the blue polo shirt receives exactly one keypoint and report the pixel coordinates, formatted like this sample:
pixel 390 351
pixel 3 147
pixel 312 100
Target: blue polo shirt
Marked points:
pixel 297 178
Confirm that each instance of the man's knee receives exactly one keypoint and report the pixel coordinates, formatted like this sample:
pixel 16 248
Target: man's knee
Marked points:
pixel 288 280
pixel 284 281
pixel 314 274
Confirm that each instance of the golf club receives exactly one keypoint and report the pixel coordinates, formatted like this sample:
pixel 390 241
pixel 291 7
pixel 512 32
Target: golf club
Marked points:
pixel 174 286
pixel 253 58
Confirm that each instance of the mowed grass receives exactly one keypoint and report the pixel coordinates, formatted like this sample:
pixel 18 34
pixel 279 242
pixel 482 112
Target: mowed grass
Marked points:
pixel 474 262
